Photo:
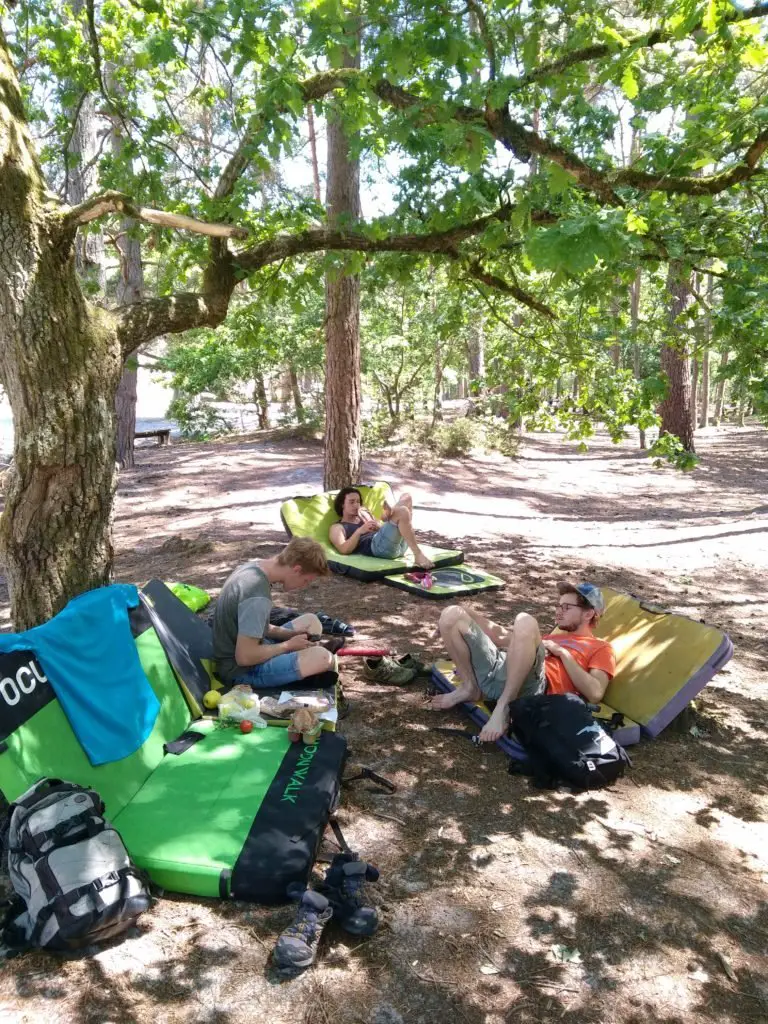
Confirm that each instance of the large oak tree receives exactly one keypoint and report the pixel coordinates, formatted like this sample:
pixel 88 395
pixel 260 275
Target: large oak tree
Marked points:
pixel 461 107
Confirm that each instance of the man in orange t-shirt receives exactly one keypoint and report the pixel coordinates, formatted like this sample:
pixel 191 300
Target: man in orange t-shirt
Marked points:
pixel 503 665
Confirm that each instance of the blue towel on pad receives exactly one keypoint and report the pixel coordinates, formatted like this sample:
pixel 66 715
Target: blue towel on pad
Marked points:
pixel 88 654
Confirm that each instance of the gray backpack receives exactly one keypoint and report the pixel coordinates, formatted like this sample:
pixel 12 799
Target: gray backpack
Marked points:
pixel 74 882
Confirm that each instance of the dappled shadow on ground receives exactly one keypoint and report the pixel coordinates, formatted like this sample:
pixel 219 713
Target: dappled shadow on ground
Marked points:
pixel 642 904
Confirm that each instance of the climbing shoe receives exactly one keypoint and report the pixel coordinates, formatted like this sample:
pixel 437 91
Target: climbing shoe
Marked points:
pixel 343 887
pixel 410 661
pixel 333 643
pixel 388 671
pixel 296 947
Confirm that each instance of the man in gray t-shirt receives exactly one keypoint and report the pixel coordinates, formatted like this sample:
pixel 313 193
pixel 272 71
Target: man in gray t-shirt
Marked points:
pixel 246 648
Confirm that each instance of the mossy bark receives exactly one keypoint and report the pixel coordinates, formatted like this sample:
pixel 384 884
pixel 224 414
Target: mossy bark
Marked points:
pixel 59 363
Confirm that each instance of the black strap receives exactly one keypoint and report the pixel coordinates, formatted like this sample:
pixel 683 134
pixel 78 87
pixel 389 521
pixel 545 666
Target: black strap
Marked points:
pixel 473 737
pixel 13 935
pixel 184 742
pixel 89 823
pixel 336 829
pixel 369 773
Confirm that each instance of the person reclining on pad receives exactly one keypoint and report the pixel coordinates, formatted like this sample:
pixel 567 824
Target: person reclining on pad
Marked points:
pixel 246 648
pixel 502 665
pixel 359 532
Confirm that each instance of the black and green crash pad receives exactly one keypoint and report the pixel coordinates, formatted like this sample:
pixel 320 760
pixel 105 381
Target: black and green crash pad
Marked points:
pixel 446 583
pixel 313 517
pixel 663 661
pixel 188 644
pixel 232 815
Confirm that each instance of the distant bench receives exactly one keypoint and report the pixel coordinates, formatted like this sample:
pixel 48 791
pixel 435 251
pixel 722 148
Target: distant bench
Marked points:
pixel 163 436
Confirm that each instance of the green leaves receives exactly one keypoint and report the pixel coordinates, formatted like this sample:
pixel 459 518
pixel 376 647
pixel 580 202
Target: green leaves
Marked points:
pixel 576 245
pixel 629 84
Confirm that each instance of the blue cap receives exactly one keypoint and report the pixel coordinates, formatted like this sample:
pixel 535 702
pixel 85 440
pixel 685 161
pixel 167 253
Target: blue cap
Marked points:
pixel 588 591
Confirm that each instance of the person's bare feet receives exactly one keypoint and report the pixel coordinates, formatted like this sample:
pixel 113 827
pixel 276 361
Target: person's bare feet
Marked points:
pixel 465 691
pixel 496 725
pixel 421 560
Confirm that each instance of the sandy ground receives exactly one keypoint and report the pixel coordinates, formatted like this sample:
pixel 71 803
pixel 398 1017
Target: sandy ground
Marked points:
pixel 644 903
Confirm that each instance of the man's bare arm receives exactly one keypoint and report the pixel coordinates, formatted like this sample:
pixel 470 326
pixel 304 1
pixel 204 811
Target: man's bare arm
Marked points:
pixel 250 651
pixel 592 684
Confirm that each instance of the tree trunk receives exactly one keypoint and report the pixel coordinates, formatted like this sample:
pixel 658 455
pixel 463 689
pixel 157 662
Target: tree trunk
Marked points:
pixel 343 391
pixel 704 418
pixel 59 364
pixel 81 181
pixel 616 309
pixel 476 353
pixel 720 395
pixel 260 401
pixel 676 408
pixel 296 392
pixel 437 404
pixel 694 392
pixel 704 421
pixel 313 153
pixel 634 314
pixel 130 288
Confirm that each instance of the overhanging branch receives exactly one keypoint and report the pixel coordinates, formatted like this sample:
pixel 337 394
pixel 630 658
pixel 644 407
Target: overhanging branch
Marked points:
pixel 596 51
pixel 142 321
pixel 316 239
pixel 116 202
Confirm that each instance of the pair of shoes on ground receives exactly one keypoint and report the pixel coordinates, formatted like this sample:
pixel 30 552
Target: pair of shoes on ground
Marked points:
pixel 395 671
pixel 339 896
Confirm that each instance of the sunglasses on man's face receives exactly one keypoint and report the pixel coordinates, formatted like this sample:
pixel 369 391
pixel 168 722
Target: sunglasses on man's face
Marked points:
pixel 567 604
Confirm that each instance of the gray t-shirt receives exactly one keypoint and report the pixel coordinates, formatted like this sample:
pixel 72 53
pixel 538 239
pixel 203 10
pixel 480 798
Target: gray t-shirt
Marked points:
pixel 243 607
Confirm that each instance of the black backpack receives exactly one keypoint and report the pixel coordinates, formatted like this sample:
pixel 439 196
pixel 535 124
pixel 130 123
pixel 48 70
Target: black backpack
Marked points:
pixel 73 880
pixel 564 743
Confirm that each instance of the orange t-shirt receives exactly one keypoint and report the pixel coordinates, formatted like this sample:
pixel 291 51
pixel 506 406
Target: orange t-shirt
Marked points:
pixel 587 651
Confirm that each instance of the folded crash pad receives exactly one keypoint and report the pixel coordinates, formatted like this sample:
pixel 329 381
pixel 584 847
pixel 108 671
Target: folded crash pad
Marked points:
pixel 446 583
pixel 188 644
pixel 232 814
pixel 314 516
pixel 663 661
pixel 84 649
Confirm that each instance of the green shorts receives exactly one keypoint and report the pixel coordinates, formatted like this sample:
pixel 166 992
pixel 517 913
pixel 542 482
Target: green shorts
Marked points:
pixel 489 666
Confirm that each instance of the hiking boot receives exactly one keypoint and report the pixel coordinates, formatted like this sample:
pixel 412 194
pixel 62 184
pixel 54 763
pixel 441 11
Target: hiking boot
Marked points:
pixel 388 671
pixel 343 705
pixel 343 887
pixel 296 947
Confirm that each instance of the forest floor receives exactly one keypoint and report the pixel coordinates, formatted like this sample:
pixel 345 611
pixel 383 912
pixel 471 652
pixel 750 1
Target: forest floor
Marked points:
pixel 642 904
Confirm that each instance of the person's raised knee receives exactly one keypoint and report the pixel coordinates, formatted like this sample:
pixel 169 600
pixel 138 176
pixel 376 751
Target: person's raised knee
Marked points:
pixel 525 624
pixel 313 624
pixel 401 513
pixel 450 616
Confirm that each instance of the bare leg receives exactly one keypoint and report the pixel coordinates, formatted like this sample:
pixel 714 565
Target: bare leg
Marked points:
pixel 306 623
pixel 454 623
pixel 401 517
pixel 521 656
pixel 493 630
pixel 313 660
